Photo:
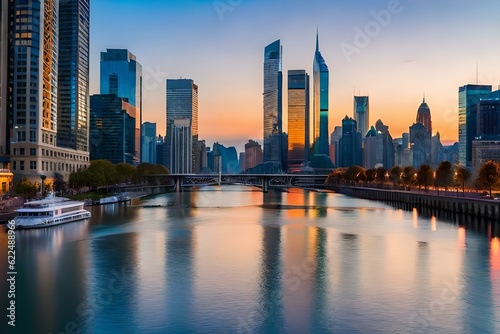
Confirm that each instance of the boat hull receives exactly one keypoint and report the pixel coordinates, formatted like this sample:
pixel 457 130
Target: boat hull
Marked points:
pixel 30 222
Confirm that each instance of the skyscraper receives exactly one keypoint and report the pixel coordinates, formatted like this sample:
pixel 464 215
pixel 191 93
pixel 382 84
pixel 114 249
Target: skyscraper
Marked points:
pixel 298 118
pixel 273 103
pixel 350 144
pixel 420 145
pixel 362 114
pixel 32 107
pixel 182 102
pixel 320 102
pixel 149 142
pixel 181 149
pixel 121 75
pixel 424 116
pixel 73 76
pixel 4 132
pixel 468 99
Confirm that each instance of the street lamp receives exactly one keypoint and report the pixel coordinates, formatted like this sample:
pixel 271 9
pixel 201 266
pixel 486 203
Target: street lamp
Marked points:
pixel 43 177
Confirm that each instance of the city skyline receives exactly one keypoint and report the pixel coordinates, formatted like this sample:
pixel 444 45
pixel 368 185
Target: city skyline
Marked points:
pixel 407 54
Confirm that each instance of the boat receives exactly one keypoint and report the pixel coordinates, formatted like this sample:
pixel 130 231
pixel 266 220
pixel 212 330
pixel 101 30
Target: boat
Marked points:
pixel 49 211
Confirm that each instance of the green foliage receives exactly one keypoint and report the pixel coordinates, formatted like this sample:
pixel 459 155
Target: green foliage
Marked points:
pixel 444 175
pixel 26 189
pixel 409 175
pixel 104 168
pixel 489 175
pixel 425 176
pixel 125 172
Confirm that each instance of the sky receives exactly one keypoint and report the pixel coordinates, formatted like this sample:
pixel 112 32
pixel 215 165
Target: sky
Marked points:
pixel 395 51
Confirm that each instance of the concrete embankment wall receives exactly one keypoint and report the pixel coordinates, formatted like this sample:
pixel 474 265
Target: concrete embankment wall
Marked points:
pixel 489 209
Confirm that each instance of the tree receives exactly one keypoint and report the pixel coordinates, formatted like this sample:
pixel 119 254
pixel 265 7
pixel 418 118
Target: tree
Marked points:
pixel 104 168
pixel 444 175
pixel 380 174
pixel 425 176
pixel 462 175
pixel 409 176
pixel 370 175
pixel 125 172
pixel 335 177
pixel 489 175
pixel 355 174
pixel 26 189
pixel 395 175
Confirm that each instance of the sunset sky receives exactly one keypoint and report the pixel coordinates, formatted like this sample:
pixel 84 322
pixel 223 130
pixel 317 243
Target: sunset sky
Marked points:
pixel 421 46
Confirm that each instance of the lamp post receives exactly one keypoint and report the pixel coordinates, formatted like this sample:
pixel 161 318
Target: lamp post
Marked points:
pixel 43 177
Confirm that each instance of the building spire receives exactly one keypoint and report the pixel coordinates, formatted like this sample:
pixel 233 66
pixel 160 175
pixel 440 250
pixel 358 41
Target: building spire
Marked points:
pixel 317 39
pixel 423 100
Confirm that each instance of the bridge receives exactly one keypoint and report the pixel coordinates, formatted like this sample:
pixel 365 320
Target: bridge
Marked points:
pixel 264 181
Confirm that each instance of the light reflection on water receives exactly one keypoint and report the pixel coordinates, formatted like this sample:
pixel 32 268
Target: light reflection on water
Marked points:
pixel 232 259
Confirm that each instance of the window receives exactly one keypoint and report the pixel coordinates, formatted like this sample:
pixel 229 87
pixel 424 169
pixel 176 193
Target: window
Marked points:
pixel 32 164
pixel 14 166
pixel 32 151
pixel 21 151
pixel 21 165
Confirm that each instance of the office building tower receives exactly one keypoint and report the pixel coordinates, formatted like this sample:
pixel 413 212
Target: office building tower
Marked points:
pixel 385 145
pixel 320 102
pixel 121 74
pixel 273 103
pixel 32 92
pixel 4 130
pixel 350 152
pixel 73 76
pixel 362 114
pixel 148 142
pixel 112 129
pixel 488 117
pixel 468 99
pixel 201 161
pixel 298 119
pixel 420 142
pixel 182 102
pixel 159 150
pixel 225 159
pixel 334 148
pixel 253 155
pixel 424 116
pixel 181 150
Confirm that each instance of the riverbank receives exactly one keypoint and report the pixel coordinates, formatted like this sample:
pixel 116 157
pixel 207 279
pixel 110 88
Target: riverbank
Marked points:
pixel 471 207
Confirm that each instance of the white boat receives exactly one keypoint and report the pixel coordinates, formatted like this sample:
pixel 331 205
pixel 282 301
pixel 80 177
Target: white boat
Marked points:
pixel 49 211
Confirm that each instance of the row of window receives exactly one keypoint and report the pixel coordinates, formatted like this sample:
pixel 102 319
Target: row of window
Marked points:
pixel 48 166
pixel 50 153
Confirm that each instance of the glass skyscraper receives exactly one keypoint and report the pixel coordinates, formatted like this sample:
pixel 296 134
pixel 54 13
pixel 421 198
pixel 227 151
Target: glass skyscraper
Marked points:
pixel 273 103
pixel 362 114
pixel 73 76
pixel 121 75
pixel 468 99
pixel 149 142
pixel 298 119
pixel 4 132
pixel 320 102
pixel 182 103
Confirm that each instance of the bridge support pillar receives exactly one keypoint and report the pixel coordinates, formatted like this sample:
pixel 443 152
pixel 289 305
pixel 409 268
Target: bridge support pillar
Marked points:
pixel 265 184
pixel 178 184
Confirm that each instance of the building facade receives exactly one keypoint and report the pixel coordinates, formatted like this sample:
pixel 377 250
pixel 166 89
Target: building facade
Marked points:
pixel 350 151
pixel 273 102
pixel 181 141
pixel 253 155
pixel 420 144
pixel 298 118
pixel 4 66
pixel 362 114
pixel 182 102
pixel 149 142
pixel 112 129
pixel 121 74
pixel 73 77
pixel 33 37
pixel 320 102
pixel 468 99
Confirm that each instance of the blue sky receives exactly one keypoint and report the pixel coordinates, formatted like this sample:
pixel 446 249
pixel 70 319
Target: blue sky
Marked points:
pixel 422 46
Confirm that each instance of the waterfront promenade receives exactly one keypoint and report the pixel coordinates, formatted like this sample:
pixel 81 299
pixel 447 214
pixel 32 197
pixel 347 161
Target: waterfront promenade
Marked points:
pixel 458 203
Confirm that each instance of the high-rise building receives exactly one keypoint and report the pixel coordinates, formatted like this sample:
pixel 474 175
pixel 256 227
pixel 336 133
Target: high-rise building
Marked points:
pixel 201 161
pixel 149 142
pixel 488 117
pixel 298 119
pixel 334 144
pixel 4 132
pixel 253 155
pixel 385 145
pixel 362 114
pixel 350 152
pixel 182 102
pixel 468 99
pixel 32 100
pixel 121 75
pixel 160 150
pixel 273 103
pixel 424 116
pixel 181 149
pixel 320 102
pixel 420 144
pixel 73 76
pixel 112 129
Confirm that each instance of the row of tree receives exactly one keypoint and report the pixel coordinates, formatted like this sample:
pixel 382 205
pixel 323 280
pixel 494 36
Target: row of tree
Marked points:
pixel 104 173
pixel 445 176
